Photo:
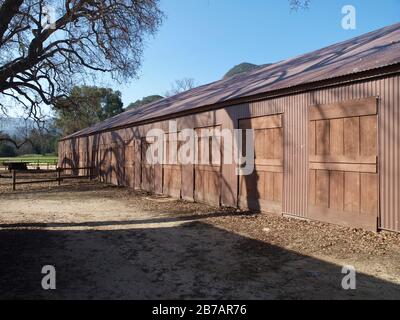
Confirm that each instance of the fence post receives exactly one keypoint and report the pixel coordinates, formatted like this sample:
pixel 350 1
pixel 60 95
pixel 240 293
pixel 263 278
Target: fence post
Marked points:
pixel 14 178
pixel 59 176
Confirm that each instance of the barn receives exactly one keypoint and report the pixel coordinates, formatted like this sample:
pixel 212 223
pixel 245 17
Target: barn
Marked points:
pixel 326 137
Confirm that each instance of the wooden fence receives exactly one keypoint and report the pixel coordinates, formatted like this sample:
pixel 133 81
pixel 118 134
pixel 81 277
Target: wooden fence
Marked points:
pixel 58 176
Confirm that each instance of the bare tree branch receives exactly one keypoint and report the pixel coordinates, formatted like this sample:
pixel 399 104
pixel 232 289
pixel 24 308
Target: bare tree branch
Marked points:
pixel 40 61
pixel 17 145
pixel 181 85
pixel 8 10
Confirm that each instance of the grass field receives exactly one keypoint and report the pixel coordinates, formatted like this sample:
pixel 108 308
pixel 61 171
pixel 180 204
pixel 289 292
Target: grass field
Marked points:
pixel 32 158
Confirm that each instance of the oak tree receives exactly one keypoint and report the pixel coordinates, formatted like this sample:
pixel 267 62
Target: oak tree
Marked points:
pixel 48 46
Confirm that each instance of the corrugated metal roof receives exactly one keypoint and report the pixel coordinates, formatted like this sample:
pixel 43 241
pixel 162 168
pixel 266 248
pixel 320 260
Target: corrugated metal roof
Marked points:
pixel 370 51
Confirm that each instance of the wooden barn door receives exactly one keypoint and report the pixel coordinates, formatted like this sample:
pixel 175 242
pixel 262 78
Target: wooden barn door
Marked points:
pixel 138 164
pixel 262 190
pixel 113 163
pixel 148 169
pixel 129 157
pixel 105 163
pixel 109 164
pixel 208 173
pixel 172 170
pixel 343 177
pixel 100 162
pixel 83 162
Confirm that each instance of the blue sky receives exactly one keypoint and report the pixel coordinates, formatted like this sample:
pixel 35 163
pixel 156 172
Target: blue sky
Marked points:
pixel 203 39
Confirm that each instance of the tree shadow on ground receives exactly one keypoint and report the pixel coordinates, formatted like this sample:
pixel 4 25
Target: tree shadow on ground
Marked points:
pixel 159 219
pixel 189 261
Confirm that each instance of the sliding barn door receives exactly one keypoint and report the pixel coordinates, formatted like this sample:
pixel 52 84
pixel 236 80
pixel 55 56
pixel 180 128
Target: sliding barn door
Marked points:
pixel 129 163
pixel 83 163
pixel 172 171
pixel 105 163
pixel 207 186
pixel 343 177
pixel 148 169
pixel 262 190
pixel 117 163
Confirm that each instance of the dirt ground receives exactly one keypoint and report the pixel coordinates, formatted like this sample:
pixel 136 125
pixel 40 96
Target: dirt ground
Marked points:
pixel 114 243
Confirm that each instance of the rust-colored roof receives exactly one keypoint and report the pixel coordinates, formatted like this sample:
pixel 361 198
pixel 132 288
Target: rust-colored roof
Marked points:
pixel 373 50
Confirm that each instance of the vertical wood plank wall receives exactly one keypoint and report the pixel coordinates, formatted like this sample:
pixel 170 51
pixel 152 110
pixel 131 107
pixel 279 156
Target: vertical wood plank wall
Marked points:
pixel 343 181
pixel 295 121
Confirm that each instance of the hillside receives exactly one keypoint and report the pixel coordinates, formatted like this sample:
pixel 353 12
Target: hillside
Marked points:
pixel 242 68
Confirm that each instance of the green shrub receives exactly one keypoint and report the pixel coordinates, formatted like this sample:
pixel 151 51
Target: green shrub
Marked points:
pixel 7 151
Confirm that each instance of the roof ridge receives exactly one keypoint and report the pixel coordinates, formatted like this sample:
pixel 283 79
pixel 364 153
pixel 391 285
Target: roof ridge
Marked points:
pixel 335 60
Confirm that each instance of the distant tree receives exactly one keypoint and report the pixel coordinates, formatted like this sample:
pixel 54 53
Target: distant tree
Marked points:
pixel 180 86
pixel 25 149
pixel 15 142
pixel 142 102
pixel 86 106
pixel 111 102
pixel 7 150
pixel 28 140
pixel 240 68
pixel 48 46
pixel 43 141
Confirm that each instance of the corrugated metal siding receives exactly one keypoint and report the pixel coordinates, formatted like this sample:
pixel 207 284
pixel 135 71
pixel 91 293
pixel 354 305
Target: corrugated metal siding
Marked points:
pixel 295 194
pixel 390 148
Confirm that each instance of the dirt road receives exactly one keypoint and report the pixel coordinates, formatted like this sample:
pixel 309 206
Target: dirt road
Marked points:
pixel 110 243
